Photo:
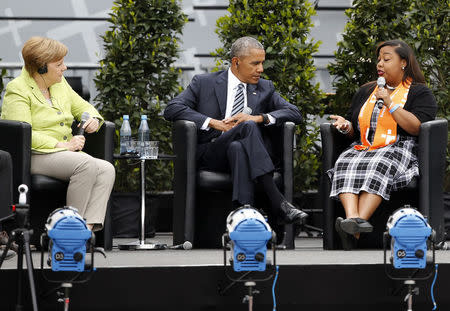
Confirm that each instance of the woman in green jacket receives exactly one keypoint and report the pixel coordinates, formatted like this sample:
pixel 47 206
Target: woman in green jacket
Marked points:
pixel 42 97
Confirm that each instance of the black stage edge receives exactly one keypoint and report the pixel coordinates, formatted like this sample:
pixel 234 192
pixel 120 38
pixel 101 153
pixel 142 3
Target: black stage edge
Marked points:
pixel 299 287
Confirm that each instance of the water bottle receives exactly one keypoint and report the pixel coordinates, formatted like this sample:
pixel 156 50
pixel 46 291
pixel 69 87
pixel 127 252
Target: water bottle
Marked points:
pixel 125 135
pixel 144 137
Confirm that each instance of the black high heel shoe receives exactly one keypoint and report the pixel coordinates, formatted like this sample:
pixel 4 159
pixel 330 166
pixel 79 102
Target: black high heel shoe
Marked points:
pixel 356 225
pixel 349 241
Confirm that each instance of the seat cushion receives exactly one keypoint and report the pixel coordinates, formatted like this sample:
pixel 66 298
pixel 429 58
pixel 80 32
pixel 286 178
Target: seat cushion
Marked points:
pixel 210 180
pixel 413 184
pixel 41 183
pixel 214 180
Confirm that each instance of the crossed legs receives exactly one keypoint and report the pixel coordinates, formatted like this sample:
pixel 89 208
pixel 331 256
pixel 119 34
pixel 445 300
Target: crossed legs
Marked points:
pixel 242 152
pixel 90 181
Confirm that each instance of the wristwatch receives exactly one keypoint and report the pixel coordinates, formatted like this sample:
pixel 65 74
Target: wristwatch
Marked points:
pixel 265 118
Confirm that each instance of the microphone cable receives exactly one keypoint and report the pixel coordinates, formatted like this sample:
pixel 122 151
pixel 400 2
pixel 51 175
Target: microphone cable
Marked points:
pixel 432 288
pixel 273 289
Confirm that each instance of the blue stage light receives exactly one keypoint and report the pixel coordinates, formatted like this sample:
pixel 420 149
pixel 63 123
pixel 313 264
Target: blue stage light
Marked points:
pixel 249 233
pixel 409 231
pixel 68 235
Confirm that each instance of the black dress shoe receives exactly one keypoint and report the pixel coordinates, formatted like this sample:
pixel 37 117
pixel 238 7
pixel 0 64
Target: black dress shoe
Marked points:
pixel 9 254
pixel 356 225
pixel 292 215
pixel 348 240
pixel 4 240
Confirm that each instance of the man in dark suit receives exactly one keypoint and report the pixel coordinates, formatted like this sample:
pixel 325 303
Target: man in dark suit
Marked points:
pixel 228 108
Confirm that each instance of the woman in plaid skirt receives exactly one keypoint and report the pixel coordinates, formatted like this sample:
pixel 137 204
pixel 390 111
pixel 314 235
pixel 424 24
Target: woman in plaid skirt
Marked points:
pixel 384 123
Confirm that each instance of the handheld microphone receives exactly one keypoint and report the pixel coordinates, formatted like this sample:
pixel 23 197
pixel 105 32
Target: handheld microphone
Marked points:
pixel 247 110
pixel 186 245
pixel 84 117
pixel 381 82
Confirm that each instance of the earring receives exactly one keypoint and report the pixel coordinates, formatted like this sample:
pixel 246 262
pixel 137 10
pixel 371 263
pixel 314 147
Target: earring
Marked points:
pixel 403 67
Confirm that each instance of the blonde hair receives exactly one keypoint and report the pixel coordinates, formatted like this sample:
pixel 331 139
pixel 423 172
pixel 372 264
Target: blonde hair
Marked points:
pixel 39 51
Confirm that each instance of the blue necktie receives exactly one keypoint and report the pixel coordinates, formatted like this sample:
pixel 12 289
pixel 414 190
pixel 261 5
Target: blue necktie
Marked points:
pixel 238 104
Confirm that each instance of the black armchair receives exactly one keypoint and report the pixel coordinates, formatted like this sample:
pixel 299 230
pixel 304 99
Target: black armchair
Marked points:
pixel 5 183
pixel 202 199
pixel 77 85
pixel 425 193
pixel 46 193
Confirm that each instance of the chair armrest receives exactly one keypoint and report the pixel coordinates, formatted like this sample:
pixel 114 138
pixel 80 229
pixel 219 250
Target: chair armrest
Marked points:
pixel 333 143
pixel 432 157
pixel 287 132
pixel 288 162
pixel 15 138
pixel 6 192
pixel 184 139
pixel 101 143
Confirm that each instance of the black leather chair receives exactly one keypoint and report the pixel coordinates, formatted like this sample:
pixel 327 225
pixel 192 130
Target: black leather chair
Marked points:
pixel 77 85
pixel 46 193
pixel 5 184
pixel 424 193
pixel 202 199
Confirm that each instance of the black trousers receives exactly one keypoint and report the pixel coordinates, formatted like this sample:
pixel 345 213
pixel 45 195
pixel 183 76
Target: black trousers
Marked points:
pixel 5 183
pixel 242 152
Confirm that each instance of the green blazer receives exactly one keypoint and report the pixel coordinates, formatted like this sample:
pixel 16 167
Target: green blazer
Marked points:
pixel 24 101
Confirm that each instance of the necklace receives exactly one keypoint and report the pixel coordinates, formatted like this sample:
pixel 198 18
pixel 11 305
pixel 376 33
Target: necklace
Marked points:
pixel 390 87
pixel 44 91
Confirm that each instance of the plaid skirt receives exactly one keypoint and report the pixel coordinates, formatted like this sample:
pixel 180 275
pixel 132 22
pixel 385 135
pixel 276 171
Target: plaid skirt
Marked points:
pixel 379 171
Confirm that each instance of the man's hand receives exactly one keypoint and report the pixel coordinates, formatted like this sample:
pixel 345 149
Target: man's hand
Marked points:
pixel 75 144
pixel 220 125
pixel 241 117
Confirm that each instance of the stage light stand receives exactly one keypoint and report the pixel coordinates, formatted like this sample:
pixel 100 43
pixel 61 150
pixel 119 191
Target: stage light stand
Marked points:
pixel 21 235
pixel 68 241
pixel 411 231
pixel 251 292
pixel 238 271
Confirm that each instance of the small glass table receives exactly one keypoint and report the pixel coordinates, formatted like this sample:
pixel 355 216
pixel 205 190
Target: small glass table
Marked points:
pixel 140 244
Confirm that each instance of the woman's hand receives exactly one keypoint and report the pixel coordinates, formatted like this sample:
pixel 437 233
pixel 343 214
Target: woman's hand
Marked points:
pixel 91 125
pixel 341 124
pixel 75 144
pixel 384 95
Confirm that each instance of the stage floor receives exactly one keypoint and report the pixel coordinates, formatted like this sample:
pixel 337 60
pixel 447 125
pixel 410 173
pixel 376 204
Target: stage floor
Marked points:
pixel 308 251
pixel 310 279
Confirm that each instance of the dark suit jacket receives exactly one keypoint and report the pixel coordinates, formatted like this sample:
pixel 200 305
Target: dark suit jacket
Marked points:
pixel 206 96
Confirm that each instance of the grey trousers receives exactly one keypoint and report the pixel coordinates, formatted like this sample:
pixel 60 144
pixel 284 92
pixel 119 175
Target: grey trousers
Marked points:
pixel 90 181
